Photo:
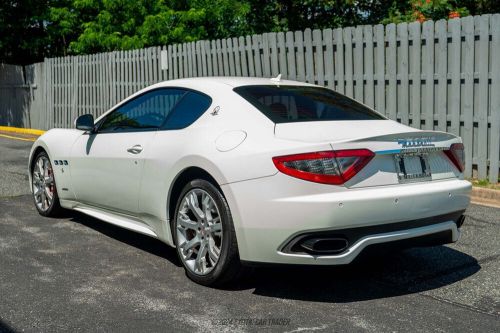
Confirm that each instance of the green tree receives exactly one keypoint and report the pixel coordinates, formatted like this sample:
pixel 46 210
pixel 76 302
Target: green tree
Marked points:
pixel 22 30
pixel 65 20
pixel 298 14
pixel 33 29
pixel 122 25
pixel 223 18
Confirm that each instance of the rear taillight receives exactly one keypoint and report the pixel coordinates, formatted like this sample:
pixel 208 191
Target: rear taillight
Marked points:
pixel 456 155
pixel 326 167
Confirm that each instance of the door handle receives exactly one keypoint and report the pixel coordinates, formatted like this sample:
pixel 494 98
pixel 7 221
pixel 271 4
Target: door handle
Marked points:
pixel 135 149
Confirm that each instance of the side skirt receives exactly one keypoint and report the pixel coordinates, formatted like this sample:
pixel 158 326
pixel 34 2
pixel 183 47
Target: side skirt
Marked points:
pixel 114 218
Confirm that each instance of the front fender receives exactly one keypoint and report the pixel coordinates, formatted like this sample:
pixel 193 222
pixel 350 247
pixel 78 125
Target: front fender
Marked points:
pixel 57 144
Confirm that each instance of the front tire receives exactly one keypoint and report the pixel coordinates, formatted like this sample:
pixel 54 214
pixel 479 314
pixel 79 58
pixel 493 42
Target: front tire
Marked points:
pixel 204 235
pixel 43 186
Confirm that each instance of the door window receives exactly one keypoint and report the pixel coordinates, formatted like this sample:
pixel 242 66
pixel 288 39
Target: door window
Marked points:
pixel 146 112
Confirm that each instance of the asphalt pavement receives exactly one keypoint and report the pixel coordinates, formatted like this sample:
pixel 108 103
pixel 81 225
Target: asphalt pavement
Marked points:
pixel 76 273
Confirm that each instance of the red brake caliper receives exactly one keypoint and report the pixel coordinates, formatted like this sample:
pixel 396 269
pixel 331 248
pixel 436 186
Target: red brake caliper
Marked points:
pixel 52 185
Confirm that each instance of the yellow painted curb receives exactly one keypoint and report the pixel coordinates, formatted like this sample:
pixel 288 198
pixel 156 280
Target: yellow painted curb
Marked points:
pixel 21 130
pixel 16 138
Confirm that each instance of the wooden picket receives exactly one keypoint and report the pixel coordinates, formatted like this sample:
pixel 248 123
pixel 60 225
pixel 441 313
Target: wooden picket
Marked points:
pixel 442 75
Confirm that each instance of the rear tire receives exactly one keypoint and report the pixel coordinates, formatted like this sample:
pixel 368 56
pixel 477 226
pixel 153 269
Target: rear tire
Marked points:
pixel 204 235
pixel 43 186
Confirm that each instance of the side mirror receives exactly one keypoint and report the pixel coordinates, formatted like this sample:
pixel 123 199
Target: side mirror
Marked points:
pixel 85 122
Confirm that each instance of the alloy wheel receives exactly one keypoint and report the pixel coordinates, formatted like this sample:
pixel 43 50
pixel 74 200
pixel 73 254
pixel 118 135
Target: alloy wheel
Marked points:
pixel 199 231
pixel 43 183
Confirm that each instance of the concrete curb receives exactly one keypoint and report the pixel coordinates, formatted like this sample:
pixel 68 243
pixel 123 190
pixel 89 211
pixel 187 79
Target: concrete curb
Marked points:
pixel 485 197
pixel 21 130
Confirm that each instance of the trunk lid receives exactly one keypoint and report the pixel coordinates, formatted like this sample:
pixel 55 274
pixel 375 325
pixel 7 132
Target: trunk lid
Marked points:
pixel 334 131
pixel 401 152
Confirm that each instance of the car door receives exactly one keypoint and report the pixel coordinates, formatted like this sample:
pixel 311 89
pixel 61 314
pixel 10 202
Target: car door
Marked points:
pixel 106 166
pixel 171 144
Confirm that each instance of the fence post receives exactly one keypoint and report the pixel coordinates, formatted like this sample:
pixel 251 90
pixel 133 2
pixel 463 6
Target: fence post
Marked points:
pixel 415 73
pixel 482 26
pixel 495 99
pixel 468 95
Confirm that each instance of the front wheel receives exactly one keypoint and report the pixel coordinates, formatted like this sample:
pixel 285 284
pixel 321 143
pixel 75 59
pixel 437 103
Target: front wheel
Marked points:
pixel 204 235
pixel 43 185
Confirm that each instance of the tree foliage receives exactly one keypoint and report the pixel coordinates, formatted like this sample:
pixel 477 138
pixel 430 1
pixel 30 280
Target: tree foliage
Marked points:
pixel 422 10
pixel 22 31
pixel 33 29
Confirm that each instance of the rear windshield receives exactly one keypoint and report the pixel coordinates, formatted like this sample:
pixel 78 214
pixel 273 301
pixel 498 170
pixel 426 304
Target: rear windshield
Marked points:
pixel 285 104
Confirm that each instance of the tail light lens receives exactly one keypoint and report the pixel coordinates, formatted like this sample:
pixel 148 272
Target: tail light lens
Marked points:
pixel 326 167
pixel 456 155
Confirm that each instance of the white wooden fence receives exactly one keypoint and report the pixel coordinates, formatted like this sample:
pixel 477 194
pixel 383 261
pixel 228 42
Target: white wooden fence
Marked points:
pixel 442 75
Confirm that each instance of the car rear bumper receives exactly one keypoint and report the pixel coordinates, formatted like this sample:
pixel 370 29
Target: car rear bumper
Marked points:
pixel 271 212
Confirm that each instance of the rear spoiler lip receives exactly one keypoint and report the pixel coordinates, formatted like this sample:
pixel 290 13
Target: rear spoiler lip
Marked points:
pixel 410 150
pixel 431 141
pixel 436 136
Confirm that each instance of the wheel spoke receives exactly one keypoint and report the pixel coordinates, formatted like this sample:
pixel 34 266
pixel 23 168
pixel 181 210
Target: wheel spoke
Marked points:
pixel 49 180
pixel 38 192
pixel 195 241
pixel 45 167
pixel 216 227
pixel 206 203
pixel 40 164
pixel 48 194
pixel 184 221
pixel 44 199
pixel 213 254
pixel 200 260
pixel 192 200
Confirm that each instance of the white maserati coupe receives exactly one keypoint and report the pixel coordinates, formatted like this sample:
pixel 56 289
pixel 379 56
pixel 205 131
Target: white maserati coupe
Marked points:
pixel 239 171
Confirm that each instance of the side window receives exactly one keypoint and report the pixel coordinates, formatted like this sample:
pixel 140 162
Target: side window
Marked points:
pixel 188 110
pixel 148 111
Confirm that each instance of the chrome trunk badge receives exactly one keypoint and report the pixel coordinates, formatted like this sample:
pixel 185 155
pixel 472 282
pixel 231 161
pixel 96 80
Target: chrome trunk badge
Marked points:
pixel 416 142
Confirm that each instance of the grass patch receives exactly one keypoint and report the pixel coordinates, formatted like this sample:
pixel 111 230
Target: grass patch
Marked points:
pixel 484 183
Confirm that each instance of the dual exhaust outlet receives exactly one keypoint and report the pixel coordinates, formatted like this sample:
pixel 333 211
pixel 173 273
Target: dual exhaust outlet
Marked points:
pixel 338 241
pixel 324 245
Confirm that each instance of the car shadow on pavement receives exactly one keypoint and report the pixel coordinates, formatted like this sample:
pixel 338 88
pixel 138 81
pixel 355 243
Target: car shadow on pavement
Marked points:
pixel 5 328
pixel 142 242
pixel 377 273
